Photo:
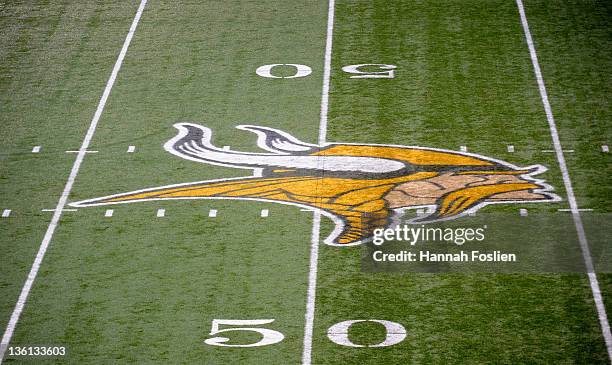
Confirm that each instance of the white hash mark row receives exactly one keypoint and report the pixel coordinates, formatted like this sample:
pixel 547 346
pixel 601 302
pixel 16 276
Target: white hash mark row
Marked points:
pixel 510 148
pixel 131 149
pixel 266 212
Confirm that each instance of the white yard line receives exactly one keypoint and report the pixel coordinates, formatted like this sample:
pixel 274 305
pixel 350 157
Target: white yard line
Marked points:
pixel 25 291
pixel 584 245
pixel 316 223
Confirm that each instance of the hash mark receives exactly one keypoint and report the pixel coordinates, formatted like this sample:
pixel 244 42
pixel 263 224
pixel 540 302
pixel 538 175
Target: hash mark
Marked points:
pixel 131 149
pixel 36 149
pixel 264 213
pixel 212 213
pixel 605 148
pixel 510 148
pixel 108 213
pixel 161 213
pixel 523 212
pixel 6 213
pixel 553 151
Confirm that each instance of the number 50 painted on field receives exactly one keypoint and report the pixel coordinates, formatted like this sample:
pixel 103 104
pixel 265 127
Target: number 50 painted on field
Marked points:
pixel 359 71
pixel 338 333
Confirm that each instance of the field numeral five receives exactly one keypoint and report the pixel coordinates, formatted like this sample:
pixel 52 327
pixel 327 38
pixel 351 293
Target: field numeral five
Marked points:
pixel 270 337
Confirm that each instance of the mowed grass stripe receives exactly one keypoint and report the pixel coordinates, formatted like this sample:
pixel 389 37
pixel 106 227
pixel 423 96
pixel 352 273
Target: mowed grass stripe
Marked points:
pixel 57 214
pixel 572 41
pixel 54 66
pixel 584 244
pixel 463 79
pixel 315 239
pixel 134 287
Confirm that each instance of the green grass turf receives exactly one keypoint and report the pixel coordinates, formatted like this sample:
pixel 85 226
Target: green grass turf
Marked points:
pixel 464 78
pixel 54 64
pixel 135 288
pixel 116 291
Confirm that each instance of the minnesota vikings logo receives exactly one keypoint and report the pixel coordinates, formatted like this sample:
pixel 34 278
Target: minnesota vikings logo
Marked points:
pixel 360 187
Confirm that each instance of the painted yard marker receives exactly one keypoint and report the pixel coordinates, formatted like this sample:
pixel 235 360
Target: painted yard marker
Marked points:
pixel 161 213
pixel 316 221
pixel 264 213
pixel 131 149
pixel 605 148
pixel 85 151
pixel 555 151
pixel 523 212
pixel 36 149
pixel 584 244
pixel 6 213
pixel 510 148
pixel 108 213
pixel 463 148
pixel 212 213
pixel 44 245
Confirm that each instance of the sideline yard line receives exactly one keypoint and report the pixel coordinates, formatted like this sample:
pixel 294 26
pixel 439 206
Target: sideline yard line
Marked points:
pixel 584 244
pixel 316 222
pixel 25 291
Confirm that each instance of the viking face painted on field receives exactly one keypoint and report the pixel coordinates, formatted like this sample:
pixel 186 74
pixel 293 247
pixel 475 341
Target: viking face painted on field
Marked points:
pixel 361 187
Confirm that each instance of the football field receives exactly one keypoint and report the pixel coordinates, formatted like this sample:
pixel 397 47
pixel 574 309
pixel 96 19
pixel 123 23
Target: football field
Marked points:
pixel 194 182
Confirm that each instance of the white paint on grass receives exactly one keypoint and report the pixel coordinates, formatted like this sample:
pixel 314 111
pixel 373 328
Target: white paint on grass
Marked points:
pixel 36 149
pixel 510 148
pixel 463 148
pixel 25 291
pixel 161 213
pixel 580 210
pixel 212 213
pixel 131 149
pixel 300 70
pixel 108 213
pixel 523 212
pixel 605 148
pixel 6 213
pixel 55 210
pixel 584 245
pixel 316 222
pixel 555 151
pixel 80 152
pixel 264 213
